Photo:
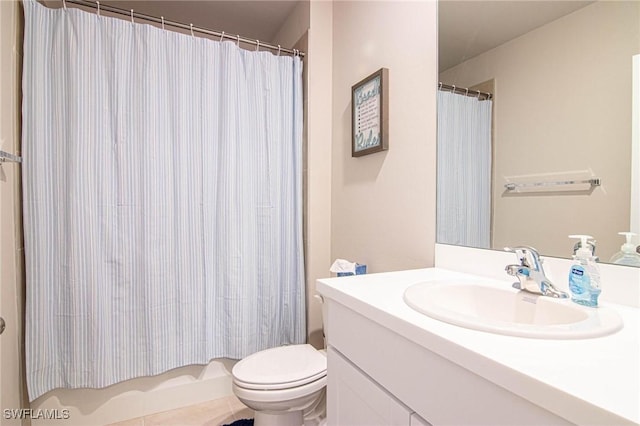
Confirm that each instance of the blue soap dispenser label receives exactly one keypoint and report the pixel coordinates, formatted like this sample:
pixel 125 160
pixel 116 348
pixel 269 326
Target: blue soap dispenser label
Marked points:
pixel 579 281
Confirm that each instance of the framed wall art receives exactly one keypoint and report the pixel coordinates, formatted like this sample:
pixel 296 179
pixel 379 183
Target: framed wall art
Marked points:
pixel 370 114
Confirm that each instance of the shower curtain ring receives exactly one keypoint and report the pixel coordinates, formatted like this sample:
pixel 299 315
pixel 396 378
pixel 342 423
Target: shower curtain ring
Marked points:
pixel 440 85
pixel 279 47
pixel 454 89
pixel 191 26
pixel 222 36
pixel 162 19
pixel 238 40
pixel 257 45
pixel 98 5
pixel 479 93
pixel 132 21
pixel 64 4
pixel 466 92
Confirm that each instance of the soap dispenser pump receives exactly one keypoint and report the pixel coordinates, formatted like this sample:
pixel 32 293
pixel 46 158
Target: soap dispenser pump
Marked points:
pixel 584 274
pixel 627 254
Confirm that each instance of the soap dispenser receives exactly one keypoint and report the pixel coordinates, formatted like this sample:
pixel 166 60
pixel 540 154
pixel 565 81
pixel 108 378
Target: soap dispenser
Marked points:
pixel 627 254
pixel 584 274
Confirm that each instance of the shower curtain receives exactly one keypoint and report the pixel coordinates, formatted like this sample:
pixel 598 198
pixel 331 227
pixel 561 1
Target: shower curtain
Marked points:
pixel 162 200
pixel 464 170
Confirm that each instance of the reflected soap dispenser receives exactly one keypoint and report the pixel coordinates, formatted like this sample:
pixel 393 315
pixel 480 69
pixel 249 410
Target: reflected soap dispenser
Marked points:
pixel 627 254
pixel 584 274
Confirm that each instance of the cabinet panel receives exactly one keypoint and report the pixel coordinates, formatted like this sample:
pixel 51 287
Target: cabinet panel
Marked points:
pixel 354 399
pixel 434 387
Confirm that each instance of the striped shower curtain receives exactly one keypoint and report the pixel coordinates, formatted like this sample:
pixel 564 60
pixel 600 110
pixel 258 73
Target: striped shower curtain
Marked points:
pixel 463 170
pixel 162 200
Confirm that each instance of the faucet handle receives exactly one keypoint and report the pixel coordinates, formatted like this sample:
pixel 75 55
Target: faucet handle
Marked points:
pixel 528 256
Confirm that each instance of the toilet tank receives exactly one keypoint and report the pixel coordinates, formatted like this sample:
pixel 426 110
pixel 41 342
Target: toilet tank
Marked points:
pixel 324 318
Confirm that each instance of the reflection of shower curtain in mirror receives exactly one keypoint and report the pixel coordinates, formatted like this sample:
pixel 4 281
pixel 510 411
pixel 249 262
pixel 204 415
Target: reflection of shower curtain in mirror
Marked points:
pixel 464 170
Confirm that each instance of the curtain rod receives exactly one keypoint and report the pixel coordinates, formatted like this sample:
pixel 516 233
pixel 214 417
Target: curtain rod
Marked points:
pixel 133 15
pixel 464 91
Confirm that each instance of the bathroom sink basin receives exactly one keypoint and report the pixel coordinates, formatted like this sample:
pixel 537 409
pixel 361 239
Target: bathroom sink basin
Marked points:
pixel 509 311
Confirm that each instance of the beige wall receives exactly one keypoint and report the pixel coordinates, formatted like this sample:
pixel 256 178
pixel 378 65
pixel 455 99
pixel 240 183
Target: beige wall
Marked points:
pixel 635 150
pixel 563 103
pixel 12 386
pixel 318 64
pixel 295 27
pixel 383 204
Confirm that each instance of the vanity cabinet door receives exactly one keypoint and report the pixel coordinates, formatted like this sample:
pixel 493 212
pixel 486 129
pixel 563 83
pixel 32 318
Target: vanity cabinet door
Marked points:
pixel 354 399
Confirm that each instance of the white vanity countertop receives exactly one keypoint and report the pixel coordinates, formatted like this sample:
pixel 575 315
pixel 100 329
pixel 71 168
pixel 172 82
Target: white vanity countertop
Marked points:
pixel 579 380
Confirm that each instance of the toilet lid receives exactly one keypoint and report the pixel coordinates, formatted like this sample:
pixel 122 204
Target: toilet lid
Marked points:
pixel 279 368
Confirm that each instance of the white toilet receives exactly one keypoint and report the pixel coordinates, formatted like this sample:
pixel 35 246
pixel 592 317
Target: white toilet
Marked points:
pixel 281 384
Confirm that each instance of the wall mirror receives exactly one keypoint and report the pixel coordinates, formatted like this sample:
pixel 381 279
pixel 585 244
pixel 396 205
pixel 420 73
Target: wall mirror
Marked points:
pixel 561 74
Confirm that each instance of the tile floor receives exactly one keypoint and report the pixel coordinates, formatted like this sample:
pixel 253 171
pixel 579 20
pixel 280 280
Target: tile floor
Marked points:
pixel 212 413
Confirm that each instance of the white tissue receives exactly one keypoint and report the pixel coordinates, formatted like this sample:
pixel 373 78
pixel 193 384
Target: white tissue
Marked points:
pixel 341 265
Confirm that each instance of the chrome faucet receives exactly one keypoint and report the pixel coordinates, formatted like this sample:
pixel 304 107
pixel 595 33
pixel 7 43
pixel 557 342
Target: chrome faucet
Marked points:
pixel 530 273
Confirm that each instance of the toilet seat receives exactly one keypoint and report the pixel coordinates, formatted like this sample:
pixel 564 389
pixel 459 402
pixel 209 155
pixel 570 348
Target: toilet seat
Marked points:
pixel 278 368
pixel 278 386
pixel 279 396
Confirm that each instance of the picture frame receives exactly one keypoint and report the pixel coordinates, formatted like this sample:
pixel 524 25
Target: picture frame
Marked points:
pixel 370 114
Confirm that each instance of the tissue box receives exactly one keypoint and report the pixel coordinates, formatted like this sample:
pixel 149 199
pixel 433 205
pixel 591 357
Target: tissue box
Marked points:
pixel 360 270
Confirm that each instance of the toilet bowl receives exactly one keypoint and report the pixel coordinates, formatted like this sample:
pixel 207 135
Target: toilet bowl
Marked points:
pixel 281 384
